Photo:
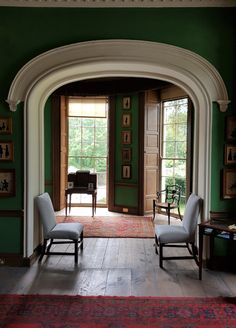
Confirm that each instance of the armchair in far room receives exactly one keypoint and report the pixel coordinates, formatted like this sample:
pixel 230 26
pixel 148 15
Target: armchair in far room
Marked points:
pixel 171 195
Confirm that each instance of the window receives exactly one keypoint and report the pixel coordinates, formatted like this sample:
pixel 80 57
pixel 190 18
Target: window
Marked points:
pixel 174 145
pixel 87 129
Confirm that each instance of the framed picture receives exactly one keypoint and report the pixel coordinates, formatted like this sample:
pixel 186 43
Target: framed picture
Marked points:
pixel 126 103
pixel 126 120
pixel 229 183
pixel 6 151
pixel 231 128
pixel 7 182
pixel 126 171
pixel 5 125
pixel 126 155
pixel 126 137
pixel 230 154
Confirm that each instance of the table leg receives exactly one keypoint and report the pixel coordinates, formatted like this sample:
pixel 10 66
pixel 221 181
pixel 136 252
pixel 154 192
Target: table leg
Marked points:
pixel 66 203
pixel 201 231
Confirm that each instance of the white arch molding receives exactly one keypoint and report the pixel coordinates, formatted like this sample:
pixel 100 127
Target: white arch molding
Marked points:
pixel 127 58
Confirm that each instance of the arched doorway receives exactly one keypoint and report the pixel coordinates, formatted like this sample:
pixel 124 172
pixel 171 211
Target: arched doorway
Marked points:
pixel 41 76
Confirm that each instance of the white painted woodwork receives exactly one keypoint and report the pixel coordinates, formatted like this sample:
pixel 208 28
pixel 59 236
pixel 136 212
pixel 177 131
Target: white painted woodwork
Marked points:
pixel 37 80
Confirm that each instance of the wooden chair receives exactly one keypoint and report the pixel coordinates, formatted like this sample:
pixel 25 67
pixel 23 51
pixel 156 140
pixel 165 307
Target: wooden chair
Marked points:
pixel 64 233
pixel 180 235
pixel 172 195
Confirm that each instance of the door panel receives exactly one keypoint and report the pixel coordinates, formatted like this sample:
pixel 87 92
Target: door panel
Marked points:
pixel 151 148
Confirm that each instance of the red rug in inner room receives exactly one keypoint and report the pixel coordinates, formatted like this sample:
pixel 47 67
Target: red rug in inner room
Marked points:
pixel 53 311
pixel 124 226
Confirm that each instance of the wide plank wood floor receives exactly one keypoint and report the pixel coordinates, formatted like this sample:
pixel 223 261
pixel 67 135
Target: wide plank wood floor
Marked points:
pixel 116 267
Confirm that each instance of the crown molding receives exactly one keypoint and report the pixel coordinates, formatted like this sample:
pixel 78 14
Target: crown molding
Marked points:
pixel 118 3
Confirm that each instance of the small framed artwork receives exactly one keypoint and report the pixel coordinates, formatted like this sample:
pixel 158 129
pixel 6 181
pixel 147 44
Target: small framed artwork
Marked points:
pixel 230 154
pixel 126 171
pixel 231 128
pixel 126 137
pixel 6 151
pixel 126 120
pixel 229 183
pixel 7 182
pixel 126 103
pixel 126 155
pixel 5 125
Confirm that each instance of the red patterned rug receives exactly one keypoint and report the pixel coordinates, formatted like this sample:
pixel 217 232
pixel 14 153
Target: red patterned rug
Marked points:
pixel 43 311
pixel 125 226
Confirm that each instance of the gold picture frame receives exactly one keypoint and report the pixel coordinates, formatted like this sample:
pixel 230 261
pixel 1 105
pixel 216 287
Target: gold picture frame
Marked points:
pixel 126 103
pixel 230 154
pixel 229 183
pixel 126 120
pixel 126 137
pixel 6 151
pixel 126 171
pixel 126 154
pixel 231 128
pixel 5 125
pixel 7 182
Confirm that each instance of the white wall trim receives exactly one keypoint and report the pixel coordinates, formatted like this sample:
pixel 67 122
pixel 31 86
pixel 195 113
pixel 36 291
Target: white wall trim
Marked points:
pixel 118 3
pixel 41 76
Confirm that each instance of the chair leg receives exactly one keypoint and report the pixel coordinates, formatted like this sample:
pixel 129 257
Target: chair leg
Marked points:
pixel 154 209
pixel 179 213
pixel 82 241
pixel 156 244
pixel 160 255
pixel 43 250
pixel 76 250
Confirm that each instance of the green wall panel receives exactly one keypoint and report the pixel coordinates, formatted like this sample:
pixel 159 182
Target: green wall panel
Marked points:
pixel 28 32
pixel 126 196
pixel 11 242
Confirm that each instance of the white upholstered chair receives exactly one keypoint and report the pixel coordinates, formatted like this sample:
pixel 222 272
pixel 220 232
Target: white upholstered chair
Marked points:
pixel 180 235
pixel 62 232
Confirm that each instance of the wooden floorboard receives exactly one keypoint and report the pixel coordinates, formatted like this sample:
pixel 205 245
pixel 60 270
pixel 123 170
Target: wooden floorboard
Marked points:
pixel 116 266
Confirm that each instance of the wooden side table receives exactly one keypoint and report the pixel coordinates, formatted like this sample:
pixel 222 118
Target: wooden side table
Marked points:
pixel 213 229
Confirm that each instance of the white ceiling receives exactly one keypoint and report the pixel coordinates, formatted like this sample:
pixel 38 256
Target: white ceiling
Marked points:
pixel 118 3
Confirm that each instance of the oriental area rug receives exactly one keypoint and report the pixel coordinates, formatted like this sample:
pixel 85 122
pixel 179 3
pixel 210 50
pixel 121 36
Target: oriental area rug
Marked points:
pixel 53 311
pixel 126 226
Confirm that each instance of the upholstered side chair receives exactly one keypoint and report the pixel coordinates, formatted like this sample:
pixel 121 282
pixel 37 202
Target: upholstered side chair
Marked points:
pixel 182 235
pixel 63 233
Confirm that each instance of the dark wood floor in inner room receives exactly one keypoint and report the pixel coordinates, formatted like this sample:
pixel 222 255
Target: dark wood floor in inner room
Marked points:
pixel 116 266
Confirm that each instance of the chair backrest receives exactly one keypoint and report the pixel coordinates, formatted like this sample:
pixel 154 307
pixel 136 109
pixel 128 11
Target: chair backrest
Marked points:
pixel 46 212
pixel 191 213
pixel 173 193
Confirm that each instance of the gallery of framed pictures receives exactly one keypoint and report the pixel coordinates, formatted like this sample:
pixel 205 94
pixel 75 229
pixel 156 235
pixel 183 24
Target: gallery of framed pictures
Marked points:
pixel 7 182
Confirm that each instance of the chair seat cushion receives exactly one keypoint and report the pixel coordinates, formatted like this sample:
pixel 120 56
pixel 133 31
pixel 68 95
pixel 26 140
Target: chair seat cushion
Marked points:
pixel 71 230
pixel 166 205
pixel 171 234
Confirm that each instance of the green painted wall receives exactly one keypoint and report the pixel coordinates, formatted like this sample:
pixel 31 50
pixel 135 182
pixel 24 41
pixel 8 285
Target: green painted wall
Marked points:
pixel 26 33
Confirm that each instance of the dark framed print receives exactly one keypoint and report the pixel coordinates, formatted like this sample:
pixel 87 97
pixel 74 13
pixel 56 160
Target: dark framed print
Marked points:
pixel 126 137
pixel 126 171
pixel 5 125
pixel 230 154
pixel 126 154
pixel 126 103
pixel 7 182
pixel 6 151
pixel 126 120
pixel 231 128
pixel 229 183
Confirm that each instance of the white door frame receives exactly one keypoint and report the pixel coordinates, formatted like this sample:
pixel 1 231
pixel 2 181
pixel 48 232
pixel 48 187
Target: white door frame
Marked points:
pixel 37 80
